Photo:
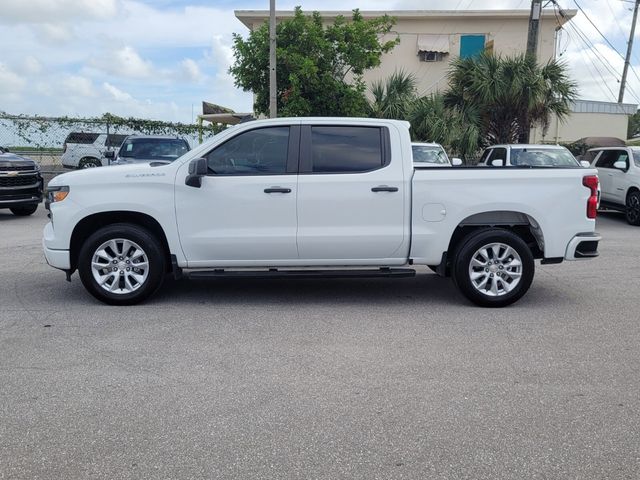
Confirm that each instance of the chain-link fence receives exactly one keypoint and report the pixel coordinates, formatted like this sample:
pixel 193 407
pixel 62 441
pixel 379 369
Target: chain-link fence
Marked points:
pixel 45 139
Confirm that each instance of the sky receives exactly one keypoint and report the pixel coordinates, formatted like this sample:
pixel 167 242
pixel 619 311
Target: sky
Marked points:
pixel 159 59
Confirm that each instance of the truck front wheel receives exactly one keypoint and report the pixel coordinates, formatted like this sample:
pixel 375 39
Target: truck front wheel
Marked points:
pixel 121 264
pixel 24 211
pixel 493 268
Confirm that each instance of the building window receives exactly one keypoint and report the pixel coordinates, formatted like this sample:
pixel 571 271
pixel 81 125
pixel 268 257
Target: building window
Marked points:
pixel 432 48
pixel 471 45
pixel 431 56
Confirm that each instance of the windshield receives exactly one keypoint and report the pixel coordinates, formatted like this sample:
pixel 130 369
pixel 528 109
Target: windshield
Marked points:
pixel 153 148
pixel 429 154
pixel 543 157
pixel 636 157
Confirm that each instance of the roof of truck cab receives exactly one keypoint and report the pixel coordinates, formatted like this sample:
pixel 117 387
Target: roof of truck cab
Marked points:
pixel 526 145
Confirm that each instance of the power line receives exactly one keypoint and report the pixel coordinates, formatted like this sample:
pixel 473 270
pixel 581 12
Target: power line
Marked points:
pixel 589 44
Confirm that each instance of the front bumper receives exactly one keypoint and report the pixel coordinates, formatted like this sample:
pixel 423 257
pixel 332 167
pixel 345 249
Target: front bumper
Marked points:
pixel 56 258
pixel 583 246
pixel 21 194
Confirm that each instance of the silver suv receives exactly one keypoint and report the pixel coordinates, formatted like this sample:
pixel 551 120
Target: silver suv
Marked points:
pixel 619 173
pixel 149 148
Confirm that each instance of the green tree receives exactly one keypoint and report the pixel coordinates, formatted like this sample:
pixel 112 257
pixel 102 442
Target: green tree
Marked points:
pixel 319 67
pixel 394 96
pixel 508 95
pixel 432 121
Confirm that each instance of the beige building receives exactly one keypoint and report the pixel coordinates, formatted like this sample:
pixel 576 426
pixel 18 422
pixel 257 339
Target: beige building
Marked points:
pixel 430 40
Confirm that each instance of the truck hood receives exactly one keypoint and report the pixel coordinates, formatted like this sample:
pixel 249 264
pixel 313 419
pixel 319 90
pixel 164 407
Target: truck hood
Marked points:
pixel 9 160
pixel 116 174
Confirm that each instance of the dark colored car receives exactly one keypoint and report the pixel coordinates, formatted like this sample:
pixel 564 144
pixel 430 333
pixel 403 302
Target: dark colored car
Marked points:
pixel 21 183
pixel 149 148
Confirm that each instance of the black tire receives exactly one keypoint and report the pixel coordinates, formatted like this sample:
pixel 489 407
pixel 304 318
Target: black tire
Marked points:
pixel 632 210
pixel 501 280
pixel 24 211
pixel 150 246
pixel 89 162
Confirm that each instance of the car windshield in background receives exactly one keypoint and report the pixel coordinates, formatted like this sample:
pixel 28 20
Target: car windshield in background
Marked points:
pixel 153 148
pixel 542 157
pixel 636 156
pixel 429 154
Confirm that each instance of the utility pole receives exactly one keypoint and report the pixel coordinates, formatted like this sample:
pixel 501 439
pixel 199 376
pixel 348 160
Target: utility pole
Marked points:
pixel 534 24
pixel 628 57
pixel 532 51
pixel 273 101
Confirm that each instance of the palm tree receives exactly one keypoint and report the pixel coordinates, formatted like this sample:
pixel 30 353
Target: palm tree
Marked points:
pixel 393 97
pixel 509 94
pixel 432 121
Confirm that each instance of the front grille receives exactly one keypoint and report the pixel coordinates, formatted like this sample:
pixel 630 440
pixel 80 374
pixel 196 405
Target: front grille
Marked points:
pixel 17 168
pixel 18 181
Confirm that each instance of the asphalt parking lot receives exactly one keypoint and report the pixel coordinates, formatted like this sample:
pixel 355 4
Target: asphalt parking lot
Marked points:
pixel 322 379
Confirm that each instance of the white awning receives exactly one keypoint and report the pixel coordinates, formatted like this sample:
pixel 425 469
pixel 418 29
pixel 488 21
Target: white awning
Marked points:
pixel 433 43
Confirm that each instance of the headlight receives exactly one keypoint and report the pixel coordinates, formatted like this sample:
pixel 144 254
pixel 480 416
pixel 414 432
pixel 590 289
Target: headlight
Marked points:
pixel 56 194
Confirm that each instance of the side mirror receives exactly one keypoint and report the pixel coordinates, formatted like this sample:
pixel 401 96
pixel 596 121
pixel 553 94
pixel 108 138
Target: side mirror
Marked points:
pixel 620 165
pixel 109 154
pixel 497 162
pixel 456 162
pixel 198 168
pixel 585 164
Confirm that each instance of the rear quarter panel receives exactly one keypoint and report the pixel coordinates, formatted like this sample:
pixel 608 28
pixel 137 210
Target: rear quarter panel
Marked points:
pixel 554 199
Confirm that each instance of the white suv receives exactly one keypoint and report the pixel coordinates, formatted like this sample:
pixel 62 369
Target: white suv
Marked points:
pixel 619 172
pixel 86 149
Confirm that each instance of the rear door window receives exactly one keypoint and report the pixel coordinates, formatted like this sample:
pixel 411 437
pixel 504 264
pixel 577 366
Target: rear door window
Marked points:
pixel 82 137
pixel 344 149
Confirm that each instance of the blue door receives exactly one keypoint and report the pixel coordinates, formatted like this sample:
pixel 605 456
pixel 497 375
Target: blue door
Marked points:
pixel 471 45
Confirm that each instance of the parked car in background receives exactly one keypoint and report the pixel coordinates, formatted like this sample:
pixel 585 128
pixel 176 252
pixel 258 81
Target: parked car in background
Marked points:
pixel 21 184
pixel 619 172
pixel 149 148
pixel 432 155
pixel 86 149
pixel 526 155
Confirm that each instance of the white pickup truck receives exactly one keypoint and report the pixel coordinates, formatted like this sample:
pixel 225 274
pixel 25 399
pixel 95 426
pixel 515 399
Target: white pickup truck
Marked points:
pixel 305 197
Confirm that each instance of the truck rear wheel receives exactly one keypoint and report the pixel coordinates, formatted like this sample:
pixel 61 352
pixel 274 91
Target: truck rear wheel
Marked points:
pixel 493 268
pixel 121 264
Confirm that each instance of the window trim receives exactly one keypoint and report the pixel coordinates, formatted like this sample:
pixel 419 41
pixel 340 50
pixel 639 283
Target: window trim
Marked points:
pixel 306 157
pixel 291 166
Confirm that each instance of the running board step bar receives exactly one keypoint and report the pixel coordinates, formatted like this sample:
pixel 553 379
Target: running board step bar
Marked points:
pixel 275 273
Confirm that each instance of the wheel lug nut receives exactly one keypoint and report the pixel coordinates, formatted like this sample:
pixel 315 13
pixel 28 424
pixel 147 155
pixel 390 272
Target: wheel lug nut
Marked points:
pixel 491 274
pixel 115 269
pixel 486 269
pixel 128 261
pixel 115 261
pixel 120 258
pixel 128 269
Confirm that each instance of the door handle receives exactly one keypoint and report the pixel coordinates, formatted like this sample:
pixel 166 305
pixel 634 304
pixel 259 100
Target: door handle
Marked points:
pixel 277 190
pixel 384 188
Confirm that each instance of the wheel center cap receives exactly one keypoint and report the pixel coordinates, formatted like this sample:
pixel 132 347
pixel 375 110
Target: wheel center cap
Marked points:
pixel 493 268
pixel 122 265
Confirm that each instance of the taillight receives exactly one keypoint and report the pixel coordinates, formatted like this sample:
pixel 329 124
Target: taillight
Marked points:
pixel 591 182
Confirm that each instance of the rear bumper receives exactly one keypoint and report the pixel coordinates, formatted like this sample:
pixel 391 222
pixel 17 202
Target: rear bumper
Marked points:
pixel 583 246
